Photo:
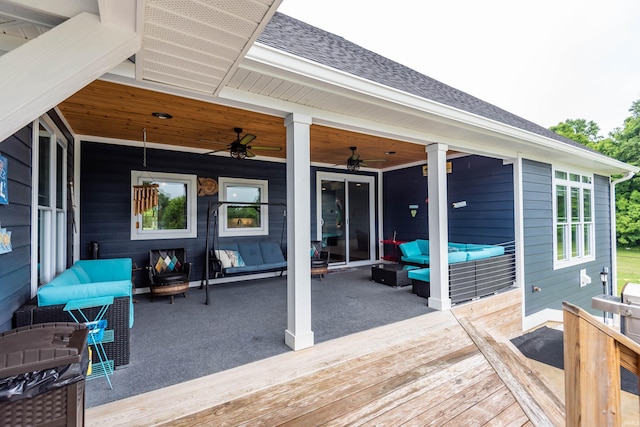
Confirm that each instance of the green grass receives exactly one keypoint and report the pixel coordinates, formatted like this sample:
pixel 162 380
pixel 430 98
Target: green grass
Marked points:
pixel 628 266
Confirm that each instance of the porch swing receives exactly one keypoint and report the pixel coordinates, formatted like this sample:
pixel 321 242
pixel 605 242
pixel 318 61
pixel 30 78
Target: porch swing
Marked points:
pixel 260 257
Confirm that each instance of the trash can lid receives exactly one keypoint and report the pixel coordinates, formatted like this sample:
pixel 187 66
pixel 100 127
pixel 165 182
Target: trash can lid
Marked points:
pixel 41 346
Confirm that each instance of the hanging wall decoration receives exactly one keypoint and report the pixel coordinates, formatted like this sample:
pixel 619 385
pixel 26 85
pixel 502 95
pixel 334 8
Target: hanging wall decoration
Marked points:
pixel 5 241
pixel 207 186
pixel 4 194
pixel 145 196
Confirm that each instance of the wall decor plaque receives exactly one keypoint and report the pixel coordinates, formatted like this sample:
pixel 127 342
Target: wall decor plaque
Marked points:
pixel 207 186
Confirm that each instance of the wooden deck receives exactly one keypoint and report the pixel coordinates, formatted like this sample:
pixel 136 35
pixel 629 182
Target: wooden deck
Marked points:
pixel 443 368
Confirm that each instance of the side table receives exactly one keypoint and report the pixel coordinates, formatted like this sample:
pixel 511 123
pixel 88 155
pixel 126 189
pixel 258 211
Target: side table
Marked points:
pixel 395 275
pixel 394 255
pixel 98 333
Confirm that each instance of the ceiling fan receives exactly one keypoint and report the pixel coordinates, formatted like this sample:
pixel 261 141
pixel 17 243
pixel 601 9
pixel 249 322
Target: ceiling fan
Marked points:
pixel 240 148
pixel 354 162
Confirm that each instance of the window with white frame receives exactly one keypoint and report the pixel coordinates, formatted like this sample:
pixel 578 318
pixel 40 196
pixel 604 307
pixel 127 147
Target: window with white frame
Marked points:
pixel 250 216
pixel 175 216
pixel 50 174
pixel 573 215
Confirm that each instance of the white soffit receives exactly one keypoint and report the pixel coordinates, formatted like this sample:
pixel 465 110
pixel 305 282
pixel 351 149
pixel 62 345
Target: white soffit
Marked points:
pixel 196 45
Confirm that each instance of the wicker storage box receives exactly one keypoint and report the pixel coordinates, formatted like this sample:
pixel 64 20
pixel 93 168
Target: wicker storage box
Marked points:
pixel 36 352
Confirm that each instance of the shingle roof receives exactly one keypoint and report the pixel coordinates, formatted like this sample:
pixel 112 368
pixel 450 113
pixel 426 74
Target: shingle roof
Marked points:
pixel 301 39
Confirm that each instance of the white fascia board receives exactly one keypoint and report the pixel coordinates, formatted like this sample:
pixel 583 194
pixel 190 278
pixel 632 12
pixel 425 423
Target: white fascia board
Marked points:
pixel 323 117
pixel 262 54
pixel 74 54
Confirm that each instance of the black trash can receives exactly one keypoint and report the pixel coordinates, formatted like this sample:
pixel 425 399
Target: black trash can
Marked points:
pixel 42 374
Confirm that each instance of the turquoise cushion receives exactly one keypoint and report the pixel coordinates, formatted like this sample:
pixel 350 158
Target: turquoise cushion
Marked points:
pixel 82 275
pixel 454 257
pixel 107 277
pixel 458 246
pixel 477 254
pixel 410 249
pixel 422 274
pixel 424 246
pixel 105 270
pixel 59 292
pixel 417 259
pixel 494 250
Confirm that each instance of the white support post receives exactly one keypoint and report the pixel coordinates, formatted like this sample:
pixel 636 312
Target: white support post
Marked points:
pixel 298 334
pixel 438 227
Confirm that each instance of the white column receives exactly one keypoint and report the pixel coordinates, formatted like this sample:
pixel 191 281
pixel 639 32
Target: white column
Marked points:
pixel 298 334
pixel 438 227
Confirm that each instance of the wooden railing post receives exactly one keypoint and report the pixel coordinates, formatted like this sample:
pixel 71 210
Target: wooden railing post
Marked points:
pixel 592 372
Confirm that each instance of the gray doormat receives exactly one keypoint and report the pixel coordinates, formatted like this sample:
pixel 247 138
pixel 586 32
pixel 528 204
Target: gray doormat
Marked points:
pixel 546 345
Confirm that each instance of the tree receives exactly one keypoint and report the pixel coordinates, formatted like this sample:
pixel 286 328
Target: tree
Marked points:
pixel 622 144
pixel 579 130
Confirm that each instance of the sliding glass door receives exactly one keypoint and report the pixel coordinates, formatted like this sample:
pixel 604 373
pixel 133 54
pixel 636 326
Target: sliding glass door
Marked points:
pixel 345 216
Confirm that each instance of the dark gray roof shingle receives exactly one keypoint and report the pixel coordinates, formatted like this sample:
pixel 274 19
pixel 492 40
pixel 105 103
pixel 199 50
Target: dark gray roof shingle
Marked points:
pixel 301 39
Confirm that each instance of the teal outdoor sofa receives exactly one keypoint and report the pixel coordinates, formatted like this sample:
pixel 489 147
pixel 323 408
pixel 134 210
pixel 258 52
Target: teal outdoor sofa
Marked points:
pixel 88 279
pixel 474 270
pixel 416 252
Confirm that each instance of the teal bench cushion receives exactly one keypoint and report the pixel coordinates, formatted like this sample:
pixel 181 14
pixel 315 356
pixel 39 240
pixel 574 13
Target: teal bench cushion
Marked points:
pixel 410 249
pixel 422 274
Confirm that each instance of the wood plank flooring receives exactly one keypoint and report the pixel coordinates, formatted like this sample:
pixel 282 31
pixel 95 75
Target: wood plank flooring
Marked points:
pixel 422 371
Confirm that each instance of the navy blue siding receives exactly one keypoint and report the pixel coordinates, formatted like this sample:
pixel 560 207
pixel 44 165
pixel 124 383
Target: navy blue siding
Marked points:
pixel 106 205
pixel 401 188
pixel 561 284
pixel 15 270
pixel 484 183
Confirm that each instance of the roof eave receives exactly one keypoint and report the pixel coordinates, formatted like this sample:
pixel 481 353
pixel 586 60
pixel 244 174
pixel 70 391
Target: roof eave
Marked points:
pixel 524 140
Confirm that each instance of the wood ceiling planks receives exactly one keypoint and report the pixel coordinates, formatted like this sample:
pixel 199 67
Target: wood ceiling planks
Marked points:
pixel 111 110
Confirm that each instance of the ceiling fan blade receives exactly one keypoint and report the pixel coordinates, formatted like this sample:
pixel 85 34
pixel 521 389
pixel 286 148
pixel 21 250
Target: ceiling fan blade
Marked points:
pixel 208 141
pixel 250 154
pixel 246 139
pixel 265 147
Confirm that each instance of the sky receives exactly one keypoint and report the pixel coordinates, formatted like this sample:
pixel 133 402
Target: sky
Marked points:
pixel 546 61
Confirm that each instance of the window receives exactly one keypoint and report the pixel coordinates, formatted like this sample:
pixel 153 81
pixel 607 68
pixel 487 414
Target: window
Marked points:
pixel 249 217
pixel 573 216
pixel 175 217
pixel 50 194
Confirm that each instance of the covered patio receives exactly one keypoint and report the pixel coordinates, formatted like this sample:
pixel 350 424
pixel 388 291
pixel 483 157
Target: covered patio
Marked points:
pixel 179 342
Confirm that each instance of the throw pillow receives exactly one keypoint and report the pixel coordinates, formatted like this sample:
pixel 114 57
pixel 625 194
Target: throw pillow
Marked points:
pixel 236 259
pixel 224 258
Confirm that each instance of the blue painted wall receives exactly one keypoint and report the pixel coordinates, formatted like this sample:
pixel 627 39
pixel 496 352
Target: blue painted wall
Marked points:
pixel 106 205
pixel 486 185
pixel 561 284
pixel 401 188
pixel 15 273
pixel 106 202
